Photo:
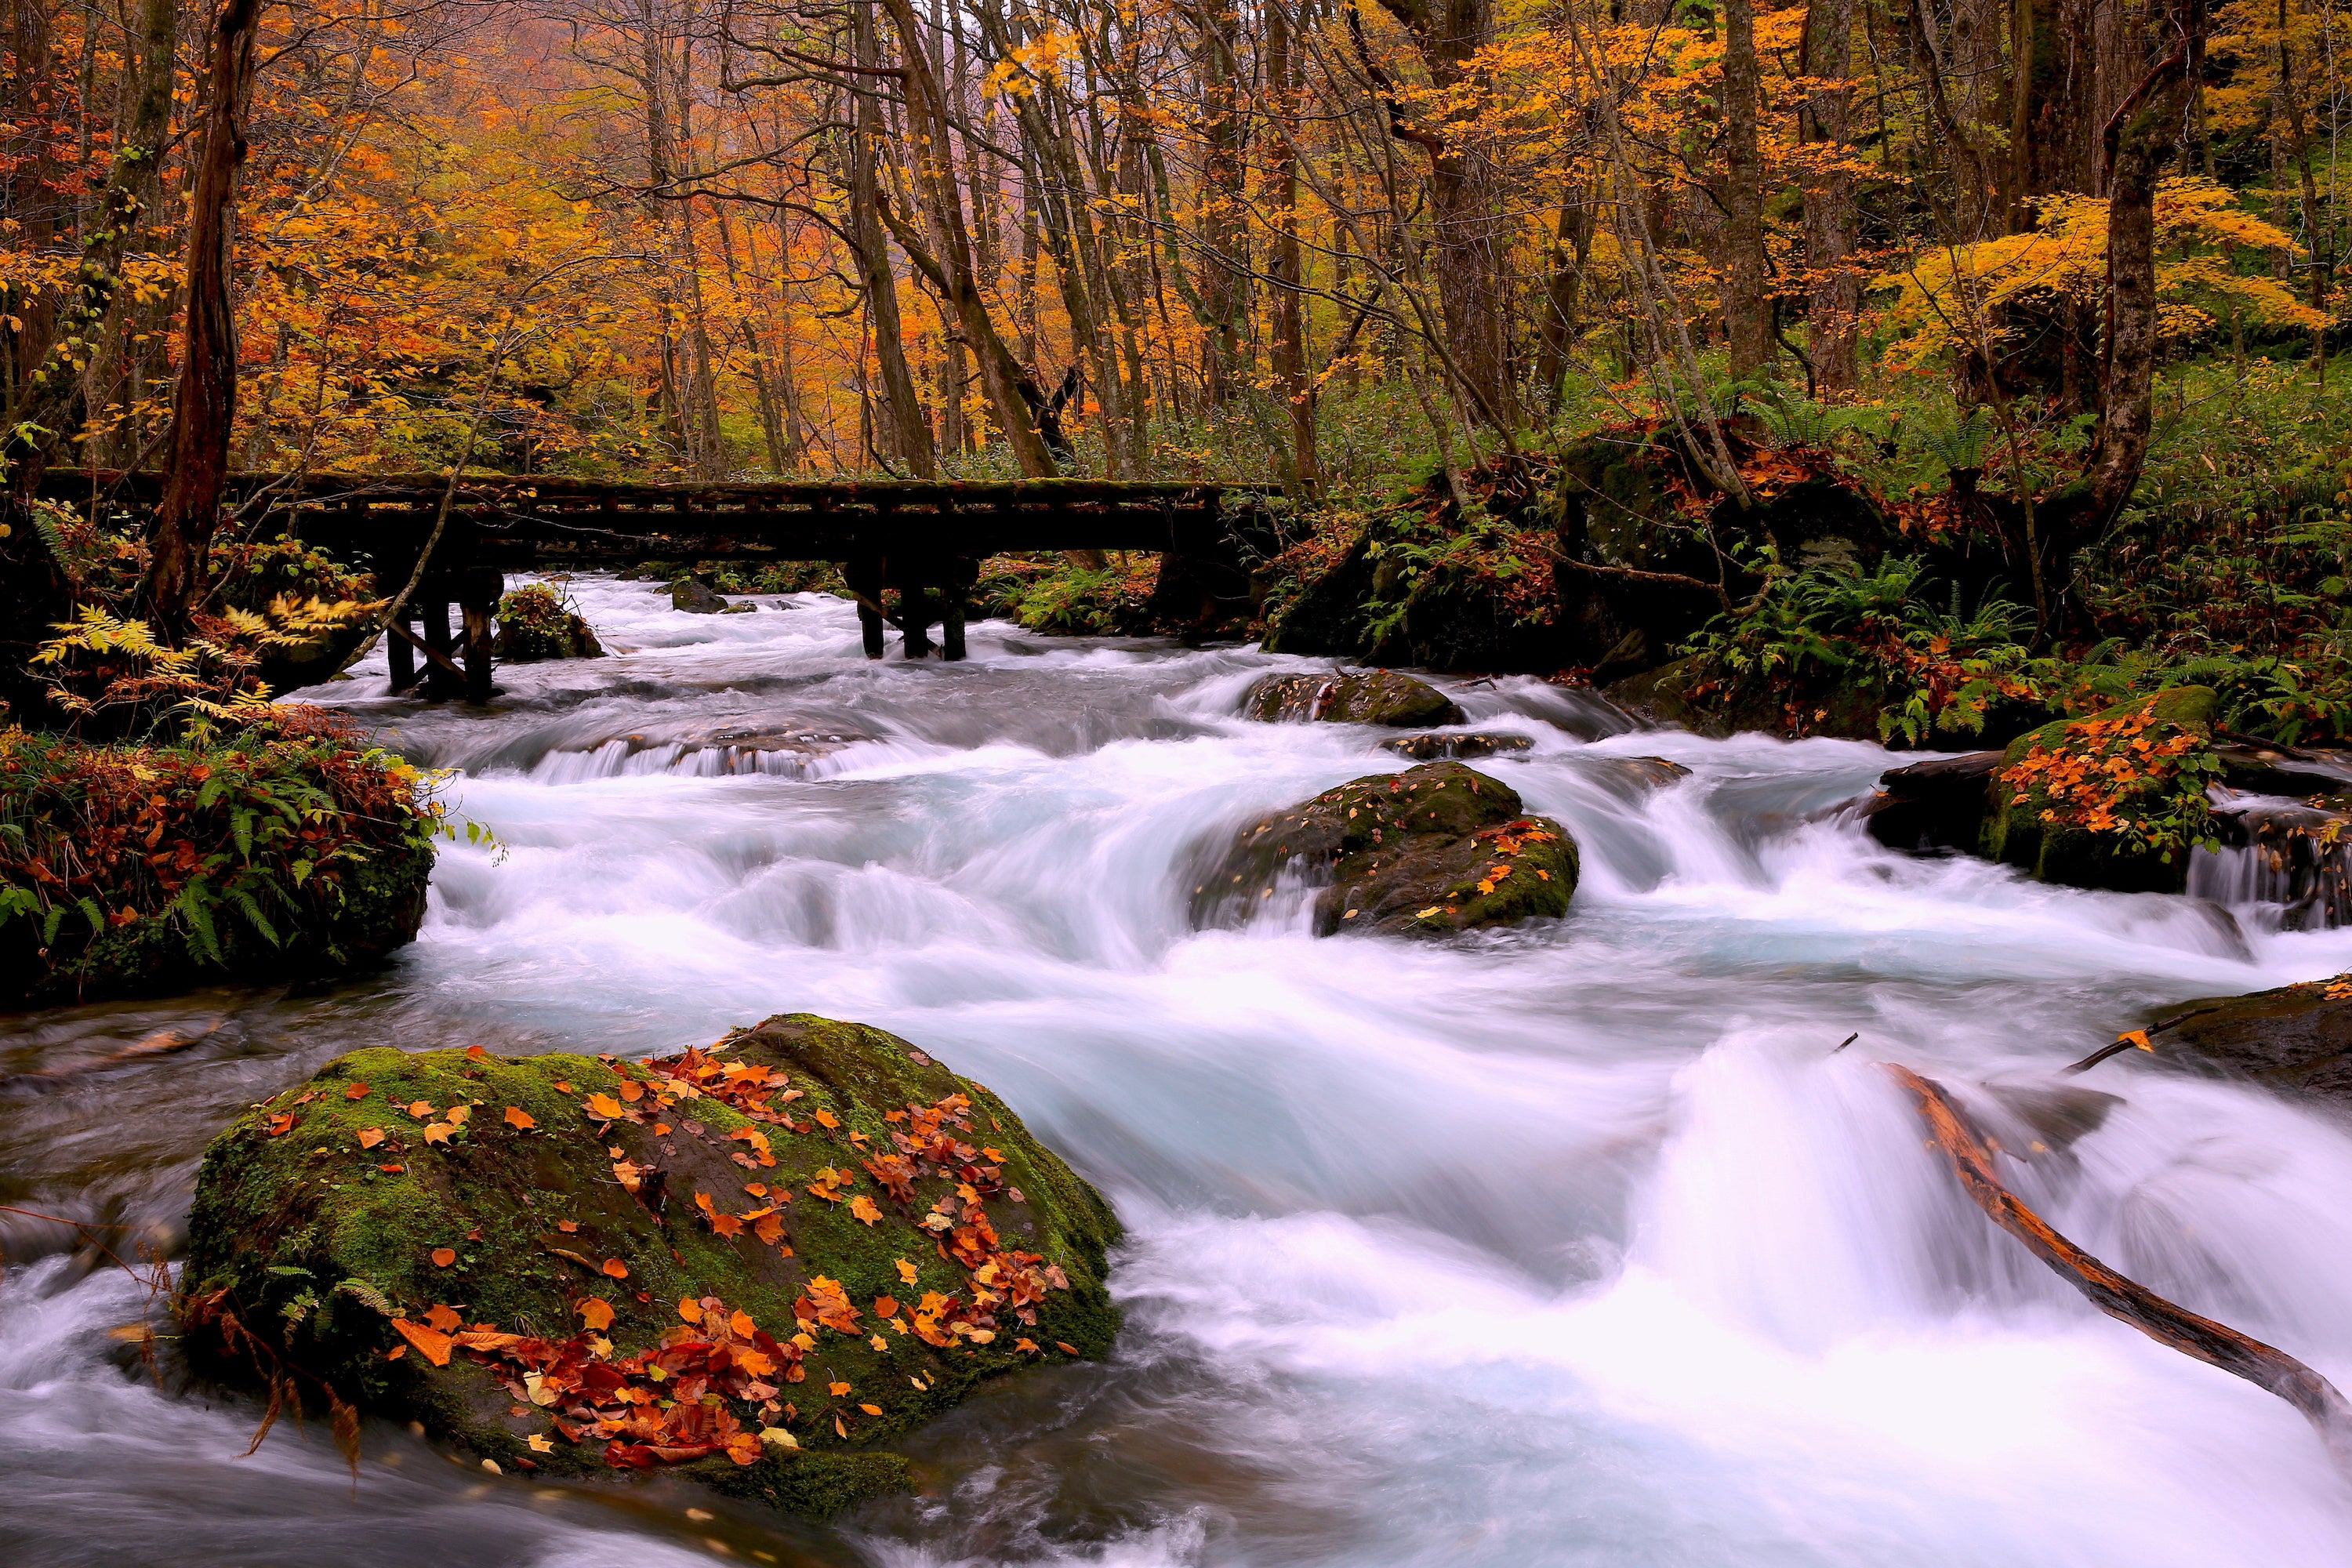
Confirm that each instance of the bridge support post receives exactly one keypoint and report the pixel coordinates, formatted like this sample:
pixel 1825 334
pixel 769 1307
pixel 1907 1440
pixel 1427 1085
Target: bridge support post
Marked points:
pixel 399 655
pixel 952 592
pixel 914 607
pixel 863 574
pixel 439 684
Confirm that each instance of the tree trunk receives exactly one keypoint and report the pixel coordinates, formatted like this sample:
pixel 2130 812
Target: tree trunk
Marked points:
pixel 902 431
pixel 205 410
pixel 2139 138
pixel 1747 302
pixel 1835 303
pixel 1286 268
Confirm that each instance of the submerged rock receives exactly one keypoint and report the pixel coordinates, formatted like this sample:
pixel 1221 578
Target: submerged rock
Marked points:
pixel 1374 697
pixel 753 1266
pixel 1435 849
pixel 1445 748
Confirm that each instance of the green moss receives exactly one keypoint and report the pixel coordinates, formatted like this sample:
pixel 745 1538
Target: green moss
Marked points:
pixel 2123 860
pixel 306 1237
pixel 1415 853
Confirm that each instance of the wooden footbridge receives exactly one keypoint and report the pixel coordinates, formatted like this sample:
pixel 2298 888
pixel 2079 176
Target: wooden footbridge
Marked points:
pixel 922 539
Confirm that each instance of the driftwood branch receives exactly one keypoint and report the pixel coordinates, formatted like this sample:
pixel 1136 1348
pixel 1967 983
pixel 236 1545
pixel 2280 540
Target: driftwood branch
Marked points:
pixel 2125 1299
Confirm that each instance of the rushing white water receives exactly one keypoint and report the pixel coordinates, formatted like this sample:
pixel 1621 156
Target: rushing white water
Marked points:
pixel 1575 1244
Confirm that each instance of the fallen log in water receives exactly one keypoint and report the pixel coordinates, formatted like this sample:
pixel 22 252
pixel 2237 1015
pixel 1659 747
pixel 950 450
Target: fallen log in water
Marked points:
pixel 2161 1320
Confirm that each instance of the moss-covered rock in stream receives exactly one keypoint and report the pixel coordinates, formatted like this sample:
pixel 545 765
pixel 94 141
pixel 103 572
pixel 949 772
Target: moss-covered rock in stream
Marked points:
pixel 286 852
pixel 1435 849
pixel 537 622
pixel 753 1266
pixel 2114 801
pixel 1373 696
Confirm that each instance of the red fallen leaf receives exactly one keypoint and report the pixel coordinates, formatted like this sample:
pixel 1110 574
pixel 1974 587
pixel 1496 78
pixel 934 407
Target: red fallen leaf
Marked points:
pixel 444 1318
pixel 434 1344
pixel 616 1269
pixel 357 1091
pixel 476 1053
pixel 568 1226
pixel 517 1116
pixel 443 1257
pixel 280 1125
pixel 392 1170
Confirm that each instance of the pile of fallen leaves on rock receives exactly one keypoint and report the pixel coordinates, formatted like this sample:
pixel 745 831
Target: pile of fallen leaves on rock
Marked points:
pixel 678 1401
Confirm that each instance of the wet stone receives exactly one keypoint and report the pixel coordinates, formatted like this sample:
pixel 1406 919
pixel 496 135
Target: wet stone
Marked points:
pixel 1374 697
pixel 1435 849
pixel 1442 748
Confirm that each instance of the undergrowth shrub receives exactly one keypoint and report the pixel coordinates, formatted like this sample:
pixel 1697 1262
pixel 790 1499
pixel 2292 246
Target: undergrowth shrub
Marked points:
pixel 128 868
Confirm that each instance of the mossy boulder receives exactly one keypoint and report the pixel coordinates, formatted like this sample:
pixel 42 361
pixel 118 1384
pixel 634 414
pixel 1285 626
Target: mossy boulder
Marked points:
pixel 1435 849
pixel 753 1266
pixel 1374 697
pixel 535 622
pixel 1449 748
pixel 2114 801
pixel 695 597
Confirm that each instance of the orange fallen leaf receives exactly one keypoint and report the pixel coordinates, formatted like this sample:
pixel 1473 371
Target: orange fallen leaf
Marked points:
pixel 690 1309
pixel 871 1409
pixel 836 1389
pixel 905 1271
pixel 280 1125
pixel 769 1229
pixel 444 1318
pixel 863 1208
pixel 620 1270
pixel 431 1343
pixel 476 1053
pixel 827 1120
pixel 421 1110
pixel 568 1226
pixel 520 1118
pixel 881 1345
pixel 371 1136
pixel 443 1257
pixel 356 1091
pixel 597 1313
pixel 605 1107
pixel 395 1352
pixel 839 1427
pixel 1066 1350
pixel 886 1306
pixel 458 1115
pixel 631 1090
pixel 392 1170
pixel 741 1326
pixel 563 1086
pixel 661 1128
pixel 541 1443
pixel 440 1132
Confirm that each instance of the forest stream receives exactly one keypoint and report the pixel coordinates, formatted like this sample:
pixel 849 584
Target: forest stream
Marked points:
pixel 1580 1243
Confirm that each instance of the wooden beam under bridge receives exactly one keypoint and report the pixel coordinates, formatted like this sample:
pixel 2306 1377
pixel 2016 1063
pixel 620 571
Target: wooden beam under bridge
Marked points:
pixel 913 534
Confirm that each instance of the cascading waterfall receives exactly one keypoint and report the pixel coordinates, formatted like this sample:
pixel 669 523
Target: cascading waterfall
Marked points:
pixel 1573 1244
